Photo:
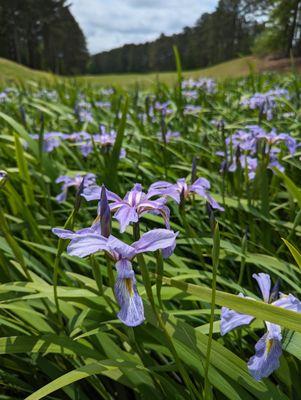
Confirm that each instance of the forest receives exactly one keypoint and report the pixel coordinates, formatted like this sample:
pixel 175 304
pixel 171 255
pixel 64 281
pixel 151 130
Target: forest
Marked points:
pixel 43 34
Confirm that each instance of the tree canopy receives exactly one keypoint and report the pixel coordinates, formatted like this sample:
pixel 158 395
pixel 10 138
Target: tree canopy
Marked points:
pixel 42 34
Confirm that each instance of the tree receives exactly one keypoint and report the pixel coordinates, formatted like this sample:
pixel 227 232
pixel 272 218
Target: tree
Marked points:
pixel 42 34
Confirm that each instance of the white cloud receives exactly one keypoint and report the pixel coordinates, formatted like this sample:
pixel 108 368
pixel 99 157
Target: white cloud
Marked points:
pixel 113 23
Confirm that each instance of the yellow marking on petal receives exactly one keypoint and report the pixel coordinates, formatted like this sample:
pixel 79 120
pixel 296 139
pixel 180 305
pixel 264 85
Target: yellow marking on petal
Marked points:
pixel 97 219
pixel 269 346
pixel 129 286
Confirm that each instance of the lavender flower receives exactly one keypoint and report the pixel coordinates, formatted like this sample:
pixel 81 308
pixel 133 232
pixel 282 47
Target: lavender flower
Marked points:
pixel 201 187
pixel 265 102
pixel 164 108
pixel 103 104
pixel 190 94
pixel 107 91
pixel 268 349
pixel 135 204
pixel 205 84
pixel 52 140
pixel 169 136
pixel 3 97
pixel 68 181
pixel 242 148
pixel 103 139
pixel 83 110
pixel 192 109
pixel 89 240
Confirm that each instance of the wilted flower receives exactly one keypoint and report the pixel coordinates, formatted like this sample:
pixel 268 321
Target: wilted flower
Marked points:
pixel 201 187
pixel 88 241
pixel 268 349
pixel 68 181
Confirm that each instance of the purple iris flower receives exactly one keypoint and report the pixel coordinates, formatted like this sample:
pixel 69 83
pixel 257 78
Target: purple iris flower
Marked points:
pixel 52 140
pixel 164 108
pixel 83 110
pixel 190 94
pixel 201 187
pixel 78 137
pixel 265 102
pixel 107 91
pixel 268 349
pixel 103 139
pixel 169 136
pixel 88 241
pixel 3 97
pixel 208 85
pixel 135 204
pixel 192 109
pixel 103 104
pixel 68 181
pixel 245 143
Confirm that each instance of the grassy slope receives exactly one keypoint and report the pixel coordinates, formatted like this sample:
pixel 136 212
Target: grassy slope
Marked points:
pixel 238 67
pixel 11 70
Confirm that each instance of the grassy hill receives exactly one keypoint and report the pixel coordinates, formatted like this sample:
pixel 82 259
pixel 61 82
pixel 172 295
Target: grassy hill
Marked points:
pixel 10 70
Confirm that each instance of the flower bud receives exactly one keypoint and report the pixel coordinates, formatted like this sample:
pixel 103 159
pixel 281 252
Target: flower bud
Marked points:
pixel 104 213
pixel 3 178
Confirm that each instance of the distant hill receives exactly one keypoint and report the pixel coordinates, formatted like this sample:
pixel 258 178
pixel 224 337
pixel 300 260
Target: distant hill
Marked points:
pixel 11 71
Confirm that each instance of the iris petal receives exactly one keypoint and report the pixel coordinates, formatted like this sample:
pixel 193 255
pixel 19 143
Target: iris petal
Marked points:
pixel 264 283
pixel 231 319
pixel 131 306
pixel 266 359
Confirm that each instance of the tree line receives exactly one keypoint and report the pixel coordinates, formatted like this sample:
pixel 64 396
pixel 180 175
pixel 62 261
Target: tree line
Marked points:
pixel 42 34
pixel 219 36
pixel 235 28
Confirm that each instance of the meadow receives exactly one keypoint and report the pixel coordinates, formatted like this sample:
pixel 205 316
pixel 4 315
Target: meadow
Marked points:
pixel 150 238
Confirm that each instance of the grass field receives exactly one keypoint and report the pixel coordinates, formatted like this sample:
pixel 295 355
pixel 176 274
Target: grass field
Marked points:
pixel 240 67
pixel 150 237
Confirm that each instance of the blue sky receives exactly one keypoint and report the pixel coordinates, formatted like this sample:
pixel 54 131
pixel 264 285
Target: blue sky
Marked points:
pixel 112 23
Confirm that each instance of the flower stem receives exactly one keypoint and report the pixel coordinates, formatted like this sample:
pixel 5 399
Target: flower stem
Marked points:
pixel 147 282
pixel 215 260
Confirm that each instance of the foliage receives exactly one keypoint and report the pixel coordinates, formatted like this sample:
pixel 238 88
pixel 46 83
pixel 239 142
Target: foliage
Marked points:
pixel 216 37
pixel 42 34
pixel 59 334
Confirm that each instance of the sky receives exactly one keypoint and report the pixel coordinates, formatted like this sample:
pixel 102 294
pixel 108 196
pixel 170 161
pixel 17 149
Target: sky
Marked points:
pixel 112 23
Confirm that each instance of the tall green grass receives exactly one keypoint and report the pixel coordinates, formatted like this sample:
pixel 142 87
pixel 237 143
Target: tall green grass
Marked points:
pixel 59 334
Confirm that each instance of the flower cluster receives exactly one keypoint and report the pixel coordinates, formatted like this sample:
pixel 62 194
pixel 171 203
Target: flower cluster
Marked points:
pixel 268 349
pixel 83 111
pixel 51 140
pixel 242 148
pixel 128 210
pixel 265 102
pixel 169 136
pixel 73 181
pixel 205 84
